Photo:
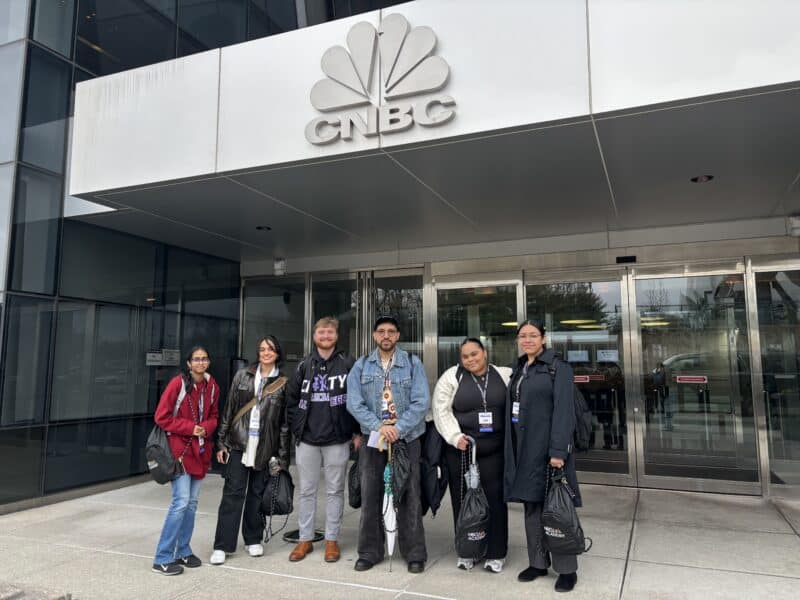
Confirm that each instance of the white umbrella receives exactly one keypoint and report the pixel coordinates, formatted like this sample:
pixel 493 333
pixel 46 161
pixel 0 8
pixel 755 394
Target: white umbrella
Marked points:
pixel 389 512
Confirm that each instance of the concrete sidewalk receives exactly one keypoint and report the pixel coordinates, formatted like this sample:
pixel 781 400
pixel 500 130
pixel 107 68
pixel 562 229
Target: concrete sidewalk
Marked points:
pixel 647 544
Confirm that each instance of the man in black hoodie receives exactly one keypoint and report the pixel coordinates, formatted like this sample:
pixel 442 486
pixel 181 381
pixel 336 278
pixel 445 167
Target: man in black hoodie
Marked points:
pixel 316 408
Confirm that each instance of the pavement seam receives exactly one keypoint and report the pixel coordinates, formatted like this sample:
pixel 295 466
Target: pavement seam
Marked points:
pixel 686 525
pixel 785 518
pixel 630 547
pixel 718 570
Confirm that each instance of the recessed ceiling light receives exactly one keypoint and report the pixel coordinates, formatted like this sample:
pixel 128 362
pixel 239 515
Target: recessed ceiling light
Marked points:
pixel 263 228
pixel 702 178
pixel 510 324
pixel 578 321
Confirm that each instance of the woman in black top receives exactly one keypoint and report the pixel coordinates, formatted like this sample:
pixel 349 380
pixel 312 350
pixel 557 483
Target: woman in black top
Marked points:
pixel 469 400
pixel 540 418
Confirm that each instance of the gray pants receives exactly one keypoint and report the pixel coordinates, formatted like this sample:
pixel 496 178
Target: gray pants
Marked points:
pixel 311 460
pixel 410 532
pixel 562 563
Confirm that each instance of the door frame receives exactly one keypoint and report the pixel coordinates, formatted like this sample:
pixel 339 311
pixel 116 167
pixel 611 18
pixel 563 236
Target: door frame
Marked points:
pixel 685 270
pixel 755 265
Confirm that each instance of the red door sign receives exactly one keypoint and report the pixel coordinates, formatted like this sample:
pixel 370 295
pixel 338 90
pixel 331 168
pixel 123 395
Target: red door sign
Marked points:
pixel 581 378
pixel 691 379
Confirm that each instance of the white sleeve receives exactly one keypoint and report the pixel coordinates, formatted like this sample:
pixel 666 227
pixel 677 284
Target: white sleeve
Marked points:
pixel 443 418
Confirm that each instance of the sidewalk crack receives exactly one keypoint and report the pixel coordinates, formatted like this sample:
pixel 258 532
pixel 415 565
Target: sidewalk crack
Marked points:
pixel 630 545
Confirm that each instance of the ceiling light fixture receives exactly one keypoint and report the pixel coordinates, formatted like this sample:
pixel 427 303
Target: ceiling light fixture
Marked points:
pixel 595 326
pixel 701 178
pixel 655 323
pixel 510 324
pixel 578 321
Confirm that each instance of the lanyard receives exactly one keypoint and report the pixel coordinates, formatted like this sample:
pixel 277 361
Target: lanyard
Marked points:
pixel 483 389
pixel 387 372
pixel 519 381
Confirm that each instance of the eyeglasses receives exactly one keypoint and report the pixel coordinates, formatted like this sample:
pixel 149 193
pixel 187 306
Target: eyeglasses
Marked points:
pixel 529 336
pixel 385 332
pixel 205 359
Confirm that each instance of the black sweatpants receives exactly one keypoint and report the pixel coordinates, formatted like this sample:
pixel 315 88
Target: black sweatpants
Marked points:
pixel 491 469
pixel 410 532
pixel 243 488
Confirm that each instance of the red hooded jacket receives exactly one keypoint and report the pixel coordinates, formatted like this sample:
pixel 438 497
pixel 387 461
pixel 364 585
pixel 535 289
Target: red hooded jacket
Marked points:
pixel 179 428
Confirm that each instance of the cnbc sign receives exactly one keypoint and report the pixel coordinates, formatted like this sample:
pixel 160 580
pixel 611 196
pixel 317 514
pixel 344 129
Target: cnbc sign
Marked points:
pixel 406 67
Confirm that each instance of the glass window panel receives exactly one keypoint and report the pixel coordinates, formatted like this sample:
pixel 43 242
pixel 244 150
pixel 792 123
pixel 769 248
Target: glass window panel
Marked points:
pixel 44 121
pixel 13 20
pixel 54 23
pixel 34 232
pixel 696 378
pixel 27 349
pixel 276 307
pixel 778 294
pixel 99 365
pixel 84 453
pixel 337 296
pixel 78 76
pixel 488 313
pixel 124 34
pixel 201 284
pixel 6 195
pixel 218 336
pixel 21 467
pixel 584 324
pixel 102 264
pixel 268 17
pixel 207 24
pixel 401 297
pixel 320 11
pixel 12 65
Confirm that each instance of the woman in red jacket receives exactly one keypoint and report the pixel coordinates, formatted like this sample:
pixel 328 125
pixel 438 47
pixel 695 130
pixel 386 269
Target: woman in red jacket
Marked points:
pixel 188 412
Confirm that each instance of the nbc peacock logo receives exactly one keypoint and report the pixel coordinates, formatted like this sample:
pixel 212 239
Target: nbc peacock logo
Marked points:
pixel 380 69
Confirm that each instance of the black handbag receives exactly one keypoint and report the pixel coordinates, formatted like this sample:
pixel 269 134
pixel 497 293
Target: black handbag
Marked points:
pixel 354 484
pixel 563 533
pixel 472 525
pixel 163 465
pixel 278 498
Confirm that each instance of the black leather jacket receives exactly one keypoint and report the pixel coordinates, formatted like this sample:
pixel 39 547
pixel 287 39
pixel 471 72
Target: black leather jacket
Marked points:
pixel 274 437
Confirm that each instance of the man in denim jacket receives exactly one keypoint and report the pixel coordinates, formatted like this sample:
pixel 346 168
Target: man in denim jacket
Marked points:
pixel 389 368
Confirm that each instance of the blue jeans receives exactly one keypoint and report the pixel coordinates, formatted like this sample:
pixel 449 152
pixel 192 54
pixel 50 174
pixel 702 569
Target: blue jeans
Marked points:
pixel 179 524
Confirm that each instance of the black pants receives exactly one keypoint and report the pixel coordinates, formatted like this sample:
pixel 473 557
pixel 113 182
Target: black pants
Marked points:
pixel 534 532
pixel 491 469
pixel 243 488
pixel 410 533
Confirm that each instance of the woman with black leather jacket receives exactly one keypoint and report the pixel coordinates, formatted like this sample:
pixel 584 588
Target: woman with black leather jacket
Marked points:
pixel 252 430
pixel 540 426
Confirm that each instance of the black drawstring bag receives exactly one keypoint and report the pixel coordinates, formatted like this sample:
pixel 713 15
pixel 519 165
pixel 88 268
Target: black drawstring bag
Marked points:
pixel 354 484
pixel 278 498
pixel 563 533
pixel 472 525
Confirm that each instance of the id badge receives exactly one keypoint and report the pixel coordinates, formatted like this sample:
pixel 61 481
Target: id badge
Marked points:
pixel 386 401
pixel 485 422
pixel 515 412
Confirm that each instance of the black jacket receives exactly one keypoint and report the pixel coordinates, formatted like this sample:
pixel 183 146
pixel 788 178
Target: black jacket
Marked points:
pixel 298 394
pixel 274 438
pixel 546 428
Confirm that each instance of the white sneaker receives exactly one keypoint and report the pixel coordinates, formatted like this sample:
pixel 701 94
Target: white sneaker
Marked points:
pixel 255 550
pixel 465 563
pixel 217 557
pixel 495 565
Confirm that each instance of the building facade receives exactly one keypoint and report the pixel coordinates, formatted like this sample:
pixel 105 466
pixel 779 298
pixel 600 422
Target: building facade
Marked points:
pixel 625 171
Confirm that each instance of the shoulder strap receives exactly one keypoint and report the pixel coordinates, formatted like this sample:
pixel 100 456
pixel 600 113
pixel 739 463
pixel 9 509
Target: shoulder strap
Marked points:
pixel 270 389
pixel 552 370
pixel 181 396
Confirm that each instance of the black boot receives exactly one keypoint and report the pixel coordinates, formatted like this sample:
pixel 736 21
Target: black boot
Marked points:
pixel 531 573
pixel 566 581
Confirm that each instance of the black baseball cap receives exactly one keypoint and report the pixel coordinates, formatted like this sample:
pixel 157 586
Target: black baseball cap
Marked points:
pixel 385 319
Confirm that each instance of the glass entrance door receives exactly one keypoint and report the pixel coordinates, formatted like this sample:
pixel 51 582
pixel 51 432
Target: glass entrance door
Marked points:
pixel 488 310
pixel 695 416
pixel 586 322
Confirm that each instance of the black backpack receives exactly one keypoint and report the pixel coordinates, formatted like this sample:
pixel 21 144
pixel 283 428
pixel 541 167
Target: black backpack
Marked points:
pixel 583 416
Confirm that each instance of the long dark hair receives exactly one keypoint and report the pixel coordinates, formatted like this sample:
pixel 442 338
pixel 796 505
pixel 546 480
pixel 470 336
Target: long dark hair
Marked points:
pixel 271 340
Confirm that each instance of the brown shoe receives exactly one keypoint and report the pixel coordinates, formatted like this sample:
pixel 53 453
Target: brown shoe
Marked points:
pixel 300 551
pixel 332 553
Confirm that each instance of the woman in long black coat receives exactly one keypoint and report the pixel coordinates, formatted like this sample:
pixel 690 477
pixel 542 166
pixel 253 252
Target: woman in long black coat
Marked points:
pixel 540 424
